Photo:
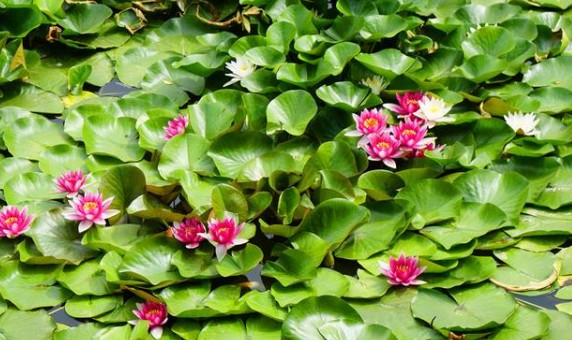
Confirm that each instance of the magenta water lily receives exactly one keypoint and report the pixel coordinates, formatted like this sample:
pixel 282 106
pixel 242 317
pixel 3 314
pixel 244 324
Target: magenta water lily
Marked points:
pixel 155 313
pixel 188 232
pixel 89 209
pixel 71 182
pixel 403 270
pixel 176 126
pixel 14 222
pixel 223 234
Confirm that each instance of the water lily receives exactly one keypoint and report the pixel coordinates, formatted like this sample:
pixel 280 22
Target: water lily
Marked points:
pixel 89 209
pixel 239 69
pixel 408 103
pixel 375 83
pixel 14 222
pixel 521 123
pixel 223 235
pixel 155 313
pixel 411 134
pixel 433 110
pixel 402 270
pixel 187 231
pixel 384 147
pixel 71 182
pixel 176 126
pixel 368 122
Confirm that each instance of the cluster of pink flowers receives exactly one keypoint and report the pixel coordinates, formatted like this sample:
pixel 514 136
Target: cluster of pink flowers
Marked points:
pixel 88 208
pixel 222 233
pixel 14 222
pixel 383 142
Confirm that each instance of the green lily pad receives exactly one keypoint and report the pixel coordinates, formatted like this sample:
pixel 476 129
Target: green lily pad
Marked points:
pixel 222 329
pixel 507 191
pixel 434 201
pixel 388 63
pixel 118 238
pixel 491 40
pixel 15 324
pixel 466 309
pixel 148 207
pixel 29 287
pixel 387 220
pixel 30 186
pixel 29 136
pixel 86 18
pixel 124 183
pixel 526 270
pixel 240 262
pixel 111 136
pixel 475 220
pixel 473 269
pixel 59 238
pixel 90 306
pixel 151 260
pixel 310 319
pixel 558 191
pixel 230 152
pixel 57 159
pixel 291 111
pixel 86 279
pixel 347 96
pixel 525 322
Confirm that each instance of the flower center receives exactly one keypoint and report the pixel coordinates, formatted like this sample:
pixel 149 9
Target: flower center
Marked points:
pixel 383 145
pixel 412 102
pixel 370 122
pixel 154 313
pixel 11 220
pixel 89 206
pixel 408 132
pixel 403 268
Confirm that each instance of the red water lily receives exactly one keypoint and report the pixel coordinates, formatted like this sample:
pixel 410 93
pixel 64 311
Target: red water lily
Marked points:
pixel 408 103
pixel 187 231
pixel 155 313
pixel 71 182
pixel 223 235
pixel 176 126
pixel 402 270
pixel 14 222
pixel 89 209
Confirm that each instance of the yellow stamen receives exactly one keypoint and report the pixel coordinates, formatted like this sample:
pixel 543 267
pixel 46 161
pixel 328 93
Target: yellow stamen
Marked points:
pixel 370 122
pixel 383 145
pixel 11 220
pixel 90 206
pixel 409 132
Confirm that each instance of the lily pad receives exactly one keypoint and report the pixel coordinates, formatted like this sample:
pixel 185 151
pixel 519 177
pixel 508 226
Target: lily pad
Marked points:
pixel 526 270
pixel 466 309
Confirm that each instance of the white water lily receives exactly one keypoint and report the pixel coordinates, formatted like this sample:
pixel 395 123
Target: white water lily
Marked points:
pixel 375 83
pixel 239 69
pixel 521 123
pixel 433 110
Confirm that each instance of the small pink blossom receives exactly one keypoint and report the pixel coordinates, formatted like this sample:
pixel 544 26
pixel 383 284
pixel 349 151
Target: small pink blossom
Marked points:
pixel 223 235
pixel 89 209
pixel 155 313
pixel 71 182
pixel 384 147
pixel 368 122
pixel 411 134
pixel 187 231
pixel 408 103
pixel 402 270
pixel 176 126
pixel 14 222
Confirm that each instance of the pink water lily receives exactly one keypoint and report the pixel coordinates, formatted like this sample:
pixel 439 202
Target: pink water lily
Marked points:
pixel 411 134
pixel 223 235
pixel 402 270
pixel 368 122
pixel 155 313
pixel 71 182
pixel 14 222
pixel 89 209
pixel 176 126
pixel 187 231
pixel 408 103
pixel 384 147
